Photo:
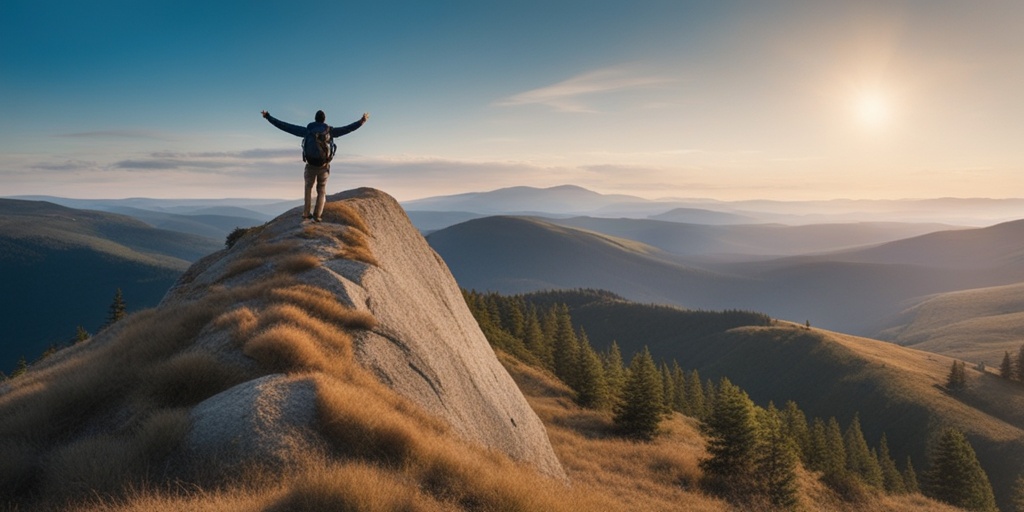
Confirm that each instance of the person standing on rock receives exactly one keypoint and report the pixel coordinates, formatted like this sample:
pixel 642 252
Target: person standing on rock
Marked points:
pixel 317 151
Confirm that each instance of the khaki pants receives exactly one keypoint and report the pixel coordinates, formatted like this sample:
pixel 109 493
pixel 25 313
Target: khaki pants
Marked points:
pixel 318 176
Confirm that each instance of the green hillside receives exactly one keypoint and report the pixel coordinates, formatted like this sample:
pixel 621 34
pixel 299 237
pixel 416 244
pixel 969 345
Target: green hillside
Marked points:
pixel 896 390
pixel 61 266
pixel 975 325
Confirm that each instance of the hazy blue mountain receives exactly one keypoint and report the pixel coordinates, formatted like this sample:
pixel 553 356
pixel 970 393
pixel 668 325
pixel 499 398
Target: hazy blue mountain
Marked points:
pixel 209 225
pixel 263 209
pixel 561 199
pixel 757 241
pixel 701 216
pixel 61 266
pixel 568 199
pixel 430 221
pixel 518 254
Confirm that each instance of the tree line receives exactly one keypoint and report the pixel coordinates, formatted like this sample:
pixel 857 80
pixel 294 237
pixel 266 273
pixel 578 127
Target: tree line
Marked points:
pixel 754 452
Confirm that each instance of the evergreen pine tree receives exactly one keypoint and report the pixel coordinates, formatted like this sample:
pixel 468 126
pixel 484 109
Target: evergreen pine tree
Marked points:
pixel 859 460
pixel 614 373
pixel 910 478
pixel 513 320
pixel 834 457
pixel 592 389
pixel 549 325
pixel 642 406
pixel 817 455
pixel 566 347
pixel 118 308
pixel 1020 364
pixel 695 396
pixel 892 480
pixel 1017 497
pixel 668 386
pixel 679 393
pixel 710 393
pixel 533 336
pixel 955 476
pixel 20 367
pixel 777 460
pixel 732 442
pixel 957 378
pixel 794 425
pixel 81 334
pixel 1006 368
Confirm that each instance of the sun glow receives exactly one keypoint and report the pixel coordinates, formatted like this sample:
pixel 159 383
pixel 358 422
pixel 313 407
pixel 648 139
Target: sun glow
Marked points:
pixel 872 109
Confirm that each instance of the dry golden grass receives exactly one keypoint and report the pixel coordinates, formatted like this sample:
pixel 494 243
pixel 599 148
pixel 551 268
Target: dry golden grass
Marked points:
pixel 324 305
pixel 282 348
pixel 241 266
pixel 295 263
pixel 356 247
pixel 240 321
pixel 190 378
pixel 341 213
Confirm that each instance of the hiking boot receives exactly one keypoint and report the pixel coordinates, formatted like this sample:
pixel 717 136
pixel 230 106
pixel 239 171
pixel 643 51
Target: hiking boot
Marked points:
pixel 317 219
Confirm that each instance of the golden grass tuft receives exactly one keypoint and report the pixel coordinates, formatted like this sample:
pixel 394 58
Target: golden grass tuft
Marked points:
pixel 356 247
pixel 341 213
pixel 240 321
pixel 190 378
pixel 296 263
pixel 285 348
pixel 355 487
pixel 241 266
pixel 324 305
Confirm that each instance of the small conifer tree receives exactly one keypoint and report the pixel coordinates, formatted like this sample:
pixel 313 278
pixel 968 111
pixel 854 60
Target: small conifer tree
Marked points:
pixel 957 378
pixel 566 347
pixel 1020 364
pixel 892 480
pixel 794 424
pixel 81 334
pixel 642 406
pixel 679 393
pixel 732 443
pixel 955 476
pixel 615 373
pixel 591 387
pixel 1017 497
pixel 777 460
pixel 668 386
pixel 118 308
pixel 1006 367
pixel 859 460
pixel 834 457
pixel 20 367
pixel 695 396
pixel 910 478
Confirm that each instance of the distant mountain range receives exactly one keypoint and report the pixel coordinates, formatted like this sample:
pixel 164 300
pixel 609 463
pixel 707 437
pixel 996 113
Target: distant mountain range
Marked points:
pixel 61 266
pixel 568 200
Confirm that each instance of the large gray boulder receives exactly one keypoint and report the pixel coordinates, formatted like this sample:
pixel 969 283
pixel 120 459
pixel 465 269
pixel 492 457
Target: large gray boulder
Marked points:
pixel 425 345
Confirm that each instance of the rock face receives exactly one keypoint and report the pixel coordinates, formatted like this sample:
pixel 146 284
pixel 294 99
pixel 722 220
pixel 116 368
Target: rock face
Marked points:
pixel 425 344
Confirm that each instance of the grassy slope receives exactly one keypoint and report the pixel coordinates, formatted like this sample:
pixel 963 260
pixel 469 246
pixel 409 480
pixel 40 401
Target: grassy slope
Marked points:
pixel 974 325
pixel 897 390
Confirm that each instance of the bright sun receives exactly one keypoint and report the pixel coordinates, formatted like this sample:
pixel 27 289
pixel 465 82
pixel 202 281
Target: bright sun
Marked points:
pixel 872 109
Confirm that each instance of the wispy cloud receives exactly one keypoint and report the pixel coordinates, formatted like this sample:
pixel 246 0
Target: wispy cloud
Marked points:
pixel 116 134
pixel 570 95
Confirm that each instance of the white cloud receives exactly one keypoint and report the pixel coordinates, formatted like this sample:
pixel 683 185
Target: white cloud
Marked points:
pixel 570 95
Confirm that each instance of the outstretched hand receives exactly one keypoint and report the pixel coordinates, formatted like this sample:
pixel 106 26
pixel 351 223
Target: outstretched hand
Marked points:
pixel 265 114
pixel 366 115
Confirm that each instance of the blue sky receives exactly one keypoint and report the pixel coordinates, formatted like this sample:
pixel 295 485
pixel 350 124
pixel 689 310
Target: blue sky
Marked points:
pixel 721 99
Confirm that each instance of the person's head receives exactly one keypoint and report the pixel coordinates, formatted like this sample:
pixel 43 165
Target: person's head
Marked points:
pixel 320 116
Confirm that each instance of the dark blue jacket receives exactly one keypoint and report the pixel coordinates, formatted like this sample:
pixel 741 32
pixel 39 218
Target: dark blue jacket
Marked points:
pixel 300 131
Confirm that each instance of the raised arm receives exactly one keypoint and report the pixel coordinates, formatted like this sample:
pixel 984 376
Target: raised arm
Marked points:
pixel 338 132
pixel 298 131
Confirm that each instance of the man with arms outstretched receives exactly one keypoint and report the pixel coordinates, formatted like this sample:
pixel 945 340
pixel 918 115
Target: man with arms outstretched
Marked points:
pixel 318 169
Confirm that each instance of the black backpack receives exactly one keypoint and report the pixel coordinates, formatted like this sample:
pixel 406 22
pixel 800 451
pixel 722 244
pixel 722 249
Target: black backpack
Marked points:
pixel 318 147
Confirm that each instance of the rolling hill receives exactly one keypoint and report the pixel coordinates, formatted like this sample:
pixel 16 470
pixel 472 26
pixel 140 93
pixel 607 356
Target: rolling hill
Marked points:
pixel 750 241
pixel 896 390
pixel 975 325
pixel 61 266
pixel 518 254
